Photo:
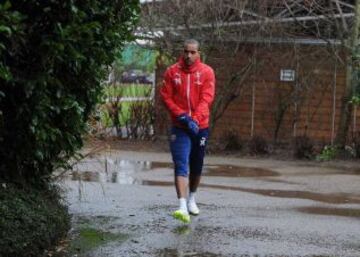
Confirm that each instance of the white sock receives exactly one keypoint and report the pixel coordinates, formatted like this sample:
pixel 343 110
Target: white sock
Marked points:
pixel 183 205
pixel 192 197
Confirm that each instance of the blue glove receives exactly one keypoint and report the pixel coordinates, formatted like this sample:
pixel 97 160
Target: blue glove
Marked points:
pixel 187 121
pixel 193 127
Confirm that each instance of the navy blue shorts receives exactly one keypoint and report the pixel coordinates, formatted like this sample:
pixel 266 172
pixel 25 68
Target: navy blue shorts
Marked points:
pixel 188 151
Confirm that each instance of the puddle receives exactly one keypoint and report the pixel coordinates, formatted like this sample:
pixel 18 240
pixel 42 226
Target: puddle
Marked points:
pixel 85 176
pixel 344 212
pixel 88 239
pixel 112 177
pixel 127 166
pixel 160 165
pixel 112 171
pixel 331 170
pixel 156 183
pixel 91 232
pixel 273 180
pixel 326 198
pixel 236 171
pixel 351 172
pixel 110 165
pixel 167 252
pixel 128 180
pixel 123 171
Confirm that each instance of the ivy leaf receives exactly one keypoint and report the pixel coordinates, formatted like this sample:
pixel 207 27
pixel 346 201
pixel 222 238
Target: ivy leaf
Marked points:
pixel 5 29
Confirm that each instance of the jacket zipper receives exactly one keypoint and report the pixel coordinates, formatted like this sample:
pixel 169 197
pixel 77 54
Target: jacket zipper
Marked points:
pixel 188 93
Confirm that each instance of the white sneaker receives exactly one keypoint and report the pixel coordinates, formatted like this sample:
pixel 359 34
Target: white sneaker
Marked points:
pixel 193 209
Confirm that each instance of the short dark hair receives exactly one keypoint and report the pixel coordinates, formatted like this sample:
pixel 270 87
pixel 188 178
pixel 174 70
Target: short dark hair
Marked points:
pixel 192 41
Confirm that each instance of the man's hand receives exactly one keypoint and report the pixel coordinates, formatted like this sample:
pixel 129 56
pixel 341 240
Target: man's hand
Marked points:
pixel 187 121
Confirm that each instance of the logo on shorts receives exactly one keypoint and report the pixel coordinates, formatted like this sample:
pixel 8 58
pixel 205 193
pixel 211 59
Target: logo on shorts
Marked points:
pixel 173 137
pixel 203 141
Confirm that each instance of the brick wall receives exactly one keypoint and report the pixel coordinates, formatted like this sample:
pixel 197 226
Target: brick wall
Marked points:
pixel 306 103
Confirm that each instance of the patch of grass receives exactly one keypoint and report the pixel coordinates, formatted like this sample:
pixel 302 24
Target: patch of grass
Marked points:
pixel 118 107
pixel 89 238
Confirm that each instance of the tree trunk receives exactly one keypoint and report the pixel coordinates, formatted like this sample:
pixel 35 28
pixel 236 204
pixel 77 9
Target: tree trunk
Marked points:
pixel 351 80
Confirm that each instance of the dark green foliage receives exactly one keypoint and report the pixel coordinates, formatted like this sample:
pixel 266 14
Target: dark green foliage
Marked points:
pixel 53 57
pixel 30 221
pixel 303 147
pixel 258 146
pixel 356 145
pixel 231 140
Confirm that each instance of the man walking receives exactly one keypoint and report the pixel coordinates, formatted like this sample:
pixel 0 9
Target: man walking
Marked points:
pixel 188 91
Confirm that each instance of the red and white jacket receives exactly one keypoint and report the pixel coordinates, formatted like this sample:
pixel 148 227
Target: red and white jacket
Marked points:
pixel 189 90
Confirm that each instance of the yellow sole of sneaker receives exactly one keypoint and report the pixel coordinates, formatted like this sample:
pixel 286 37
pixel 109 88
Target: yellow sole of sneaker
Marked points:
pixel 185 218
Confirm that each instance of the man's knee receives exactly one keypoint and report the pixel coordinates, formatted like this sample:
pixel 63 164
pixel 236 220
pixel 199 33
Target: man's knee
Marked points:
pixel 196 172
pixel 181 168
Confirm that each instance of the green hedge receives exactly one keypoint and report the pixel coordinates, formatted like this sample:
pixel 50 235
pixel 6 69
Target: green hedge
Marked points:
pixel 31 221
pixel 53 56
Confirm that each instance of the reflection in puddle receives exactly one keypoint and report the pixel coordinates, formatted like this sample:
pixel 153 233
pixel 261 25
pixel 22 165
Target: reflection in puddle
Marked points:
pixel 113 177
pixel 112 171
pixel 236 171
pixel 167 252
pixel 182 230
pixel 345 212
pixel 85 176
pixel 122 171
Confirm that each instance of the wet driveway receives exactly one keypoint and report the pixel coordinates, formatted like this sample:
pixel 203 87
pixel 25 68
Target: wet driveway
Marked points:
pixel 248 208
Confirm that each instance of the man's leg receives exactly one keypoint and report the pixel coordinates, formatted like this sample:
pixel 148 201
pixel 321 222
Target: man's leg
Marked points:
pixel 180 145
pixel 194 181
pixel 181 184
pixel 196 165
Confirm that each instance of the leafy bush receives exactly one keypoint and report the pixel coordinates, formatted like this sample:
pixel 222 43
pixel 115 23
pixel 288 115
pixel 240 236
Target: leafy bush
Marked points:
pixel 258 145
pixel 141 120
pixel 53 57
pixel 328 153
pixel 303 147
pixel 30 221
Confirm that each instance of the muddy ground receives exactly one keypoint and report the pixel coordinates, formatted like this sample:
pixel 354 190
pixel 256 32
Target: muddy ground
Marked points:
pixel 249 207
